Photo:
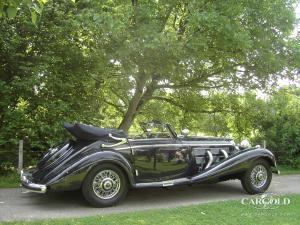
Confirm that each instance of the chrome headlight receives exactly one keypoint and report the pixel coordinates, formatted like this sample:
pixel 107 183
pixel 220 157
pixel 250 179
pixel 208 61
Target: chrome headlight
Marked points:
pixel 245 143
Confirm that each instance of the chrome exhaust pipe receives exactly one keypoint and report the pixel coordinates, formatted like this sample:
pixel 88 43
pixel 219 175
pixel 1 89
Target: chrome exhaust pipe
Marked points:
pixel 210 159
pixel 224 153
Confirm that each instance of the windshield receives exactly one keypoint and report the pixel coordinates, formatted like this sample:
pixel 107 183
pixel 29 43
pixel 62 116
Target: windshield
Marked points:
pixel 152 130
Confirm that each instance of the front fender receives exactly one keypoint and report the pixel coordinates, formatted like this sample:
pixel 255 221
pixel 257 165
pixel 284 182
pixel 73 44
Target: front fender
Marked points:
pixel 255 153
pixel 75 173
pixel 236 163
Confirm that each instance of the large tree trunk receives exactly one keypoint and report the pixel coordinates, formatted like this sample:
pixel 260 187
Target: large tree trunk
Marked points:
pixel 134 103
pixel 141 96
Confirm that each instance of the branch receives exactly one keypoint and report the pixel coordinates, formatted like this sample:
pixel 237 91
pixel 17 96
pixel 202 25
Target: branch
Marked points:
pixel 148 94
pixel 182 21
pixel 134 2
pixel 165 19
pixel 118 95
pixel 117 107
pixel 182 107
pixel 189 85
pixel 194 82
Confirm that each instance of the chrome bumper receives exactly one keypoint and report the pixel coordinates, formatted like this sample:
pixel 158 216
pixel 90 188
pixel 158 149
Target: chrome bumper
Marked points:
pixel 29 185
pixel 275 170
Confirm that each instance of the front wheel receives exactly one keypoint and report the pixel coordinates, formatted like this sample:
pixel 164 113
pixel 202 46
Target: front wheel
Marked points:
pixel 257 178
pixel 105 185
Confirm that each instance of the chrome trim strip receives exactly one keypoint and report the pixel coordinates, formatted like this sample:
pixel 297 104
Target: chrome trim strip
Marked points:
pixel 75 154
pixel 163 183
pixel 168 183
pixel 115 138
pixel 147 139
pixel 210 160
pixel 65 147
pixel 173 145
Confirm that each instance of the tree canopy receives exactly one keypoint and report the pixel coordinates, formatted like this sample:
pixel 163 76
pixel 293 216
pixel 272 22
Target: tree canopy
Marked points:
pixel 116 63
pixel 171 50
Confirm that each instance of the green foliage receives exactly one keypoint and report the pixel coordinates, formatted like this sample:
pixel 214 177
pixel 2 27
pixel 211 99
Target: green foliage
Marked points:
pixel 43 81
pixel 108 63
pixel 275 119
pixel 170 51
pixel 9 8
pixel 279 124
pixel 10 180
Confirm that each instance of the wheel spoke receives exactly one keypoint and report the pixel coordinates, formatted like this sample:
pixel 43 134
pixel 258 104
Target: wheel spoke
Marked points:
pixel 258 176
pixel 106 184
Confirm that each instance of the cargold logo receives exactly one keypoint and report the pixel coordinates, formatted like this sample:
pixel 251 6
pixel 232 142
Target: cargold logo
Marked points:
pixel 266 201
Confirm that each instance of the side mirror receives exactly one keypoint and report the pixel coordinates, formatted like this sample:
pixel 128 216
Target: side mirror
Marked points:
pixel 185 132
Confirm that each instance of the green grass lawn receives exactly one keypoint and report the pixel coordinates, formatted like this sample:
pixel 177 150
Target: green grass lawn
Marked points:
pixel 10 180
pixel 227 212
pixel 287 170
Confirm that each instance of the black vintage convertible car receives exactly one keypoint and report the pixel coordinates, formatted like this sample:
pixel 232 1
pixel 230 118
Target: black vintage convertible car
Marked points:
pixel 105 163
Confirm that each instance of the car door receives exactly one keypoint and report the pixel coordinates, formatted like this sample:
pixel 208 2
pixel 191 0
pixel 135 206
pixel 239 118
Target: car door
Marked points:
pixel 159 159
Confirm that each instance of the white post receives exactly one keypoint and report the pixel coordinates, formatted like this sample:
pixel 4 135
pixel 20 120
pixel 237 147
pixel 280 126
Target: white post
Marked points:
pixel 20 164
pixel 264 143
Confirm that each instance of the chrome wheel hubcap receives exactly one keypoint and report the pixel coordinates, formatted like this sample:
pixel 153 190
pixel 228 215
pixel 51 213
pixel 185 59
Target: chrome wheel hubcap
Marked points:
pixel 259 176
pixel 106 184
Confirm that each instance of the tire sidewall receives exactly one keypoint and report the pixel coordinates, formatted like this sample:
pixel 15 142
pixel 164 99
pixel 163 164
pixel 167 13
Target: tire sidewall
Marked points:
pixel 246 179
pixel 92 198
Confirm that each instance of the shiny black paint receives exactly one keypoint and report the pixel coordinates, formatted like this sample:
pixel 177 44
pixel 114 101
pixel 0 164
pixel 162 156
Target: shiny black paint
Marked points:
pixel 234 166
pixel 146 162
pixel 66 168
pixel 167 159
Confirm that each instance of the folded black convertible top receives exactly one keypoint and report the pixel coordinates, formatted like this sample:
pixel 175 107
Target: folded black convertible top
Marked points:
pixel 91 133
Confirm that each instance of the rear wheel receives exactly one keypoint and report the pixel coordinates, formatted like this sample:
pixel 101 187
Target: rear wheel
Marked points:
pixel 105 185
pixel 257 178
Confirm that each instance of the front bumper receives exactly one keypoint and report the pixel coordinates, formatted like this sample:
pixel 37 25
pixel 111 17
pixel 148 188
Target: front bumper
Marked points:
pixel 27 183
pixel 275 170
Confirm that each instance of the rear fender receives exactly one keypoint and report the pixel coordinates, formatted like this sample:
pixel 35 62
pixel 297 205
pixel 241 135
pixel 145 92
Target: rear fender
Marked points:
pixel 77 171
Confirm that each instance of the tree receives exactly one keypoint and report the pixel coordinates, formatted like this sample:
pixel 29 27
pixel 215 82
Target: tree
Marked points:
pixel 278 122
pixel 9 8
pixel 111 63
pixel 171 50
pixel 42 79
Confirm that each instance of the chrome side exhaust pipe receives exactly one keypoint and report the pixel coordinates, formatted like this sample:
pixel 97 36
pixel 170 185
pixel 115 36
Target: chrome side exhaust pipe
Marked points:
pixel 210 159
pixel 224 153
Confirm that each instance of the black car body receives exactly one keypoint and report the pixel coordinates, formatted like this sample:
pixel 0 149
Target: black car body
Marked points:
pixel 152 160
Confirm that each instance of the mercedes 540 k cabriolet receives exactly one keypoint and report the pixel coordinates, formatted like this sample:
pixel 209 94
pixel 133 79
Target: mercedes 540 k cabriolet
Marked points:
pixel 105 163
